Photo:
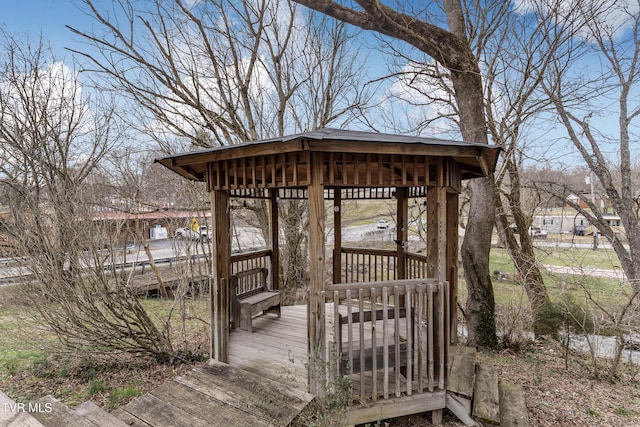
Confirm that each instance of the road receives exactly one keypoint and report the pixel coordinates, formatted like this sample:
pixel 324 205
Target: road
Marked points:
pixel 251 237
pixel 586 271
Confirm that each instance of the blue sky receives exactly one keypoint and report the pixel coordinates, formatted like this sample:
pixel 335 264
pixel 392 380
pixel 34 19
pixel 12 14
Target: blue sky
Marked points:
pixel 46 17
pixel 49 17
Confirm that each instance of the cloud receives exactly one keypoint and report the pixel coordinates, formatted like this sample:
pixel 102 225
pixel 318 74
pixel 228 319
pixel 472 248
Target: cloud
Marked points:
pixel 612 17
pixel 419 100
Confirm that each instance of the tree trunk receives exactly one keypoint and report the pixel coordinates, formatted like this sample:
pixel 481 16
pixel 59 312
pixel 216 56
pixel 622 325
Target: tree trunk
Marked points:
pixel 480 310
pixel 522 253
pixel 476 245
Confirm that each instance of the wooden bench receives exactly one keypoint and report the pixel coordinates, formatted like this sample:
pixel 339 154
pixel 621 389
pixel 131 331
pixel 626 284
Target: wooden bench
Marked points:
pixel 351 363
pixel 251 296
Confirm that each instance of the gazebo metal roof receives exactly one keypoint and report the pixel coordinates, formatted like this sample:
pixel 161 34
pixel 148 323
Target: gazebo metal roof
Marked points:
pixel 474 159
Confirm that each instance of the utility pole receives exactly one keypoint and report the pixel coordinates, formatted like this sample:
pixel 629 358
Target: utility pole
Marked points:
pixel 589 180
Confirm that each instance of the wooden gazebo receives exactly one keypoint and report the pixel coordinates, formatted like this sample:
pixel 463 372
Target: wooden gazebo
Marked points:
pixel 386 331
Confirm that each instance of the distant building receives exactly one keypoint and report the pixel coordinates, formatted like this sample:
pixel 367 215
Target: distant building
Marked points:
pixel 568 220
pixel 579 200
pixel 559 220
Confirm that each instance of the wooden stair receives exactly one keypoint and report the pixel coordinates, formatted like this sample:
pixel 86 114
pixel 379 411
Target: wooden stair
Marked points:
pixel 211 395
pixel 216 394
pixel 475 395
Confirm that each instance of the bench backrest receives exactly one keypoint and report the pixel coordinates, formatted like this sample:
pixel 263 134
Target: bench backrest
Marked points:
pixel 249 282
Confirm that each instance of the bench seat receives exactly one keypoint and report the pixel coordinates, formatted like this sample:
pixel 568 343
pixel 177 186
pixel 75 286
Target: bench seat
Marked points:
pixel 250 296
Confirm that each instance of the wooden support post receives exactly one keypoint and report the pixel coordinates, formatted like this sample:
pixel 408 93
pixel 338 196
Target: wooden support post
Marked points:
pixel 402 235
pixel 437 232
pixel 452 263
pixel 337 236
pixel 275 247
pixel 315 320
pixel 437 261
pixel 219 290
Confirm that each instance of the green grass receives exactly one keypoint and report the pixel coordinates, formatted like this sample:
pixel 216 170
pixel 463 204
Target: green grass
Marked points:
pixel 564 257
pixel 119 394
pixel 17 350
pixel 363 212
pixel 610 293
pixel 96 386
pixel 602 258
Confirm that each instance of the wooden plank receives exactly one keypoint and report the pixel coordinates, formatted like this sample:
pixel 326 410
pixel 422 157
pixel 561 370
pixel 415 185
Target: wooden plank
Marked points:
pixel 452 263
pixel 486 403
pixel 98 416
pixel 268 400
pixel 315 325
pixel 55 413
pixel 159 413
pixel 221 255
pixel 462 370
pixel 128 418
pixel 206 408
pixel 513 410
pixel 397 358
pixel 395 407
pixel 461 408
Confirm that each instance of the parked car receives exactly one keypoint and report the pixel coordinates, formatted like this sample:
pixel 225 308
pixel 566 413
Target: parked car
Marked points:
pixel 186 233
pixel 382 224
pixel 537 233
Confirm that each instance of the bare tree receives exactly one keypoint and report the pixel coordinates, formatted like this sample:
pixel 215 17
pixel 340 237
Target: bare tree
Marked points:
pixel 514 50
pixel 517 48
pixel 584 101
pixel 225 72
pixel 52 139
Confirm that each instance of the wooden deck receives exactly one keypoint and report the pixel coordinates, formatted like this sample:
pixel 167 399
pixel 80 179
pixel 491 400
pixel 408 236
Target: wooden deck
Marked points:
pixel 277 348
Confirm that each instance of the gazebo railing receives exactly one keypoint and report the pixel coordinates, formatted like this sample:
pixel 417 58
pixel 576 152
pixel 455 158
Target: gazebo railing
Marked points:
pixel 372 265
pixel 245 261
pixel 389 338
pixel 416 265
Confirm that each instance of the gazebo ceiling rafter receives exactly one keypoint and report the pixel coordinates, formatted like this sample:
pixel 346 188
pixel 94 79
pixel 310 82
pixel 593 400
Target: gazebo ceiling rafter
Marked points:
pixel 351 193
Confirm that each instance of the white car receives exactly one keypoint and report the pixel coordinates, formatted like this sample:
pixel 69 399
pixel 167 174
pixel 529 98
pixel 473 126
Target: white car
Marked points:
pixel 537 233
pixel 382 224
pixel 203 234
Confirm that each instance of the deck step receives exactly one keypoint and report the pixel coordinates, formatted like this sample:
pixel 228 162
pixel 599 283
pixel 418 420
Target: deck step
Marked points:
pixel 97 415
pixel 462 372
pixel 57 414
pixel 12 415
pixel 513 411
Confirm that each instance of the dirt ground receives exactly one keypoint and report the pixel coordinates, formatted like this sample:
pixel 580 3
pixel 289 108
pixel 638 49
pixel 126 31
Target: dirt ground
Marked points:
pixel 561 392
pixel 557 392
